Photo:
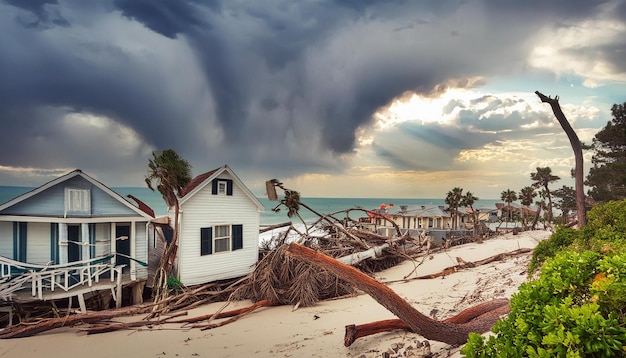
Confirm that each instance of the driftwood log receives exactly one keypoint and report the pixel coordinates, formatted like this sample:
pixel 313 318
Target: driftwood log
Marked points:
pixel 447 332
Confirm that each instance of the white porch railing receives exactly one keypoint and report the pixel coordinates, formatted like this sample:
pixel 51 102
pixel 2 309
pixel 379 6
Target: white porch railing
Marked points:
pixel 15 276
pixel 67 279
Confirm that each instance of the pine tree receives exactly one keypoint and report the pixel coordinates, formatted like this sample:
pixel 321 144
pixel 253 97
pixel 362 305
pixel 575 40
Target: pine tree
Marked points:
pixel 607 177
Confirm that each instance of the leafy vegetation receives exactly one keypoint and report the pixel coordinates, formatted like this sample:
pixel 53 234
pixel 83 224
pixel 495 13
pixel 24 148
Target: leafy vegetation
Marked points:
pixel 577 306
pixel 607 177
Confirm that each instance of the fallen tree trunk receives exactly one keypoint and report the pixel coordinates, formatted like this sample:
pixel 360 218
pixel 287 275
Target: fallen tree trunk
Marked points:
pixel 419 323
pixel 119 326
pixel 494 308
pixel 32 329
pixel 236 314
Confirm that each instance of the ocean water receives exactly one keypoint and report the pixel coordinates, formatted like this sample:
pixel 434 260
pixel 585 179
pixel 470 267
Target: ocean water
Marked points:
pixel 269 217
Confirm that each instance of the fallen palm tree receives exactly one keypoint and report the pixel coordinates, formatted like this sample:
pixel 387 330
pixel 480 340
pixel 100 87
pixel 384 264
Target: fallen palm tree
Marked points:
pixel 447 332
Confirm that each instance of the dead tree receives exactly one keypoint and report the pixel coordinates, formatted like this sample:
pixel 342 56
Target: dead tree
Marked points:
pixel 451 333
pixel 581 213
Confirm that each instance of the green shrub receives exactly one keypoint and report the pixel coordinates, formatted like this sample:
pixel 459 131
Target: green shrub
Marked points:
pixel 577 306
pixel 567 312
pixel 560 240
pixel 174 286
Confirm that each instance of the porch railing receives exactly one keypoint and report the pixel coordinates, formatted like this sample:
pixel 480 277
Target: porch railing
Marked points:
pixel 15 276
pixel 67 279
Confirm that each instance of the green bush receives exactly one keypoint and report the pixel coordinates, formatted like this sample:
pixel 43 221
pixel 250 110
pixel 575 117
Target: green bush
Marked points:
pixel 574 309
pixel 560 240
pixel 577 306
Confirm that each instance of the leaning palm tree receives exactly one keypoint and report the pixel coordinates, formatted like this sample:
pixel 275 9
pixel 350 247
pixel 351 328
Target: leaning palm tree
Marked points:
pixel 508 196
pixel 453 200
pixel 526 197
pixel 541 179
pixel 169 173
pixel 468 200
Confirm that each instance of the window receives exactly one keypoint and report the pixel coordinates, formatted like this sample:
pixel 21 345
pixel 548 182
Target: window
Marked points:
pixel 222 187
pixel 77 200
pixel 221 238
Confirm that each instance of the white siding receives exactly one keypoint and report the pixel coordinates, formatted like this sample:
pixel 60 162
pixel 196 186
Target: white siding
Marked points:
pixel 38 243
pixel 103 239
pixel 207 210
pixel 6 239
pixel 141 249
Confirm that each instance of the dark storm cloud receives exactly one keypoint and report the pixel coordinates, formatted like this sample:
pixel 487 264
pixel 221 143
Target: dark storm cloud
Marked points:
pixel 167 17
pixel 38 13
pixel 278 86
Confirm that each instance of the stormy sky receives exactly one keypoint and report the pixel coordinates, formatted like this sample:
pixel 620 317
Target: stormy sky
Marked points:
pixel 334 98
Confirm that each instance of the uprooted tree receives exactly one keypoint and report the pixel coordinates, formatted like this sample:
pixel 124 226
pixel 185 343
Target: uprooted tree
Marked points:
pixel 443 331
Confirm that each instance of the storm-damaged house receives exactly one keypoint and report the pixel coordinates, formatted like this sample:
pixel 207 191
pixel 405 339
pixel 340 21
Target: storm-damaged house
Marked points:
pixel 72 236
pixel 219 229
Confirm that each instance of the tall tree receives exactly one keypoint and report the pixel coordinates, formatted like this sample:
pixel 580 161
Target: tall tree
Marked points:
pixel 453 200
pixel 607 177
pixel 541 205
pixel 581 212
pixel 542 178
pixel 526 197
pixel 565 200
pixel 468 200
pixel 508 196
pixel 169 174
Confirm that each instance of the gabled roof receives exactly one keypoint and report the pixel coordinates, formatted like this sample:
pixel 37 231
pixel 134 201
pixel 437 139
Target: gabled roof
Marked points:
pixel 72 174
pixel 427 210
pixel 199 182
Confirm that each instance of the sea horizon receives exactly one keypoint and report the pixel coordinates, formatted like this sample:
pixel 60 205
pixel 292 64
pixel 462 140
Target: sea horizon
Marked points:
pixel 324 205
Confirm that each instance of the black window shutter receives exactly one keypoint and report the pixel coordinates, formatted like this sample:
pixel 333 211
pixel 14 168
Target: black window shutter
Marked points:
pixel 206 241
pixel 214 183
pixel 22 238
pixel 229 187
pixel 237 237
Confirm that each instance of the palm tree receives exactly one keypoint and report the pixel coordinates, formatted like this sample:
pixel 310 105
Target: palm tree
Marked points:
pixel 453 199
pixel 169 173
pixel 468 200
pixel 541 179
pixel 526 197
pixel 508 196
pixel 541 205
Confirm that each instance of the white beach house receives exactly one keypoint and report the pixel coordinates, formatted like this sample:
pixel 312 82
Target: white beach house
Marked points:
pixel 219 228
pixel 70 237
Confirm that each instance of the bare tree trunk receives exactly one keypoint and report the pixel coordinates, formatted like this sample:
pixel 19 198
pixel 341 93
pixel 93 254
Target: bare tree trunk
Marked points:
pixel 419 323
pixel 581 213
pixel 495 308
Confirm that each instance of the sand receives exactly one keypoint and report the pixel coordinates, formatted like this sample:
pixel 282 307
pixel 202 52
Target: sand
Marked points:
pixel 311 331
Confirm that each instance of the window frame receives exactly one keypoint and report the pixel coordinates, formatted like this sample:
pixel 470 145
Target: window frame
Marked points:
pixel 227 237
pixel 222 186
pixel 77 200
pixel 209 238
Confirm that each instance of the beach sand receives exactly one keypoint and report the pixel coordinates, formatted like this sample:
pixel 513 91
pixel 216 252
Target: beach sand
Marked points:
pixel 311 331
